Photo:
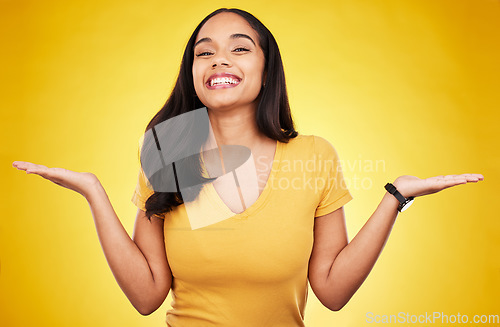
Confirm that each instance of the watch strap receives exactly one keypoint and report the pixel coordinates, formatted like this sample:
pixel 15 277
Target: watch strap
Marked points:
pixel 402 200
pixel 394 191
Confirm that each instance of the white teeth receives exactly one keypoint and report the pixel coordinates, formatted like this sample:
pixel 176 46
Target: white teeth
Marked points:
pixel 222 80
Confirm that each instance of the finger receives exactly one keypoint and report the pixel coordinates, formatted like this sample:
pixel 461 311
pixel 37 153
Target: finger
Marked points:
pixel 453 180
pixel 479 176
pixel 40 170
pixel 468 178
pixel 448 179
pixel 453 177
pixel 25 165
pixel 474 177
pixel 36 169
pixel 462 177
pixel 21 165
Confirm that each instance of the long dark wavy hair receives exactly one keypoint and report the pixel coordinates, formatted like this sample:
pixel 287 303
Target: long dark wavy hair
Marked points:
pixel 273 114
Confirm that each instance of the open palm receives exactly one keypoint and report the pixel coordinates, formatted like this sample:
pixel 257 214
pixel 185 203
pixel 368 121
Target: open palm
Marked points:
pixel 78 182
pixel 414 186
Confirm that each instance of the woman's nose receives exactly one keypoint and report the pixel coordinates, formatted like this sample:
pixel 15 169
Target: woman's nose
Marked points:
pixel 220 60
pixel 220 64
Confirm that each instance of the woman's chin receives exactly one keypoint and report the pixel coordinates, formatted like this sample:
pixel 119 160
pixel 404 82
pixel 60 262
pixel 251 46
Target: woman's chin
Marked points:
pixel 229 103
pixel 222 105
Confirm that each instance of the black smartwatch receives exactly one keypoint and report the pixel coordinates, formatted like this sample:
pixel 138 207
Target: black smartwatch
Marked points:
pixel 404 203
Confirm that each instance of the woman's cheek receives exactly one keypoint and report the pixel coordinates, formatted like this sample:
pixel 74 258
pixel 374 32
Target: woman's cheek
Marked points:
pixel 198 86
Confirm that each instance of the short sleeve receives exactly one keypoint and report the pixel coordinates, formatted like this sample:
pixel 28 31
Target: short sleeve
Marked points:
pixel 335 193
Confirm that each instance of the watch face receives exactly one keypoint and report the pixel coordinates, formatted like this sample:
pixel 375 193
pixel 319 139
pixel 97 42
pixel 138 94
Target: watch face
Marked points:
pixel 407 205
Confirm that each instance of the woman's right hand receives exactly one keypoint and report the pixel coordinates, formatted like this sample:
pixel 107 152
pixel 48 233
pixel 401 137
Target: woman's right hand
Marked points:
pixel 78 182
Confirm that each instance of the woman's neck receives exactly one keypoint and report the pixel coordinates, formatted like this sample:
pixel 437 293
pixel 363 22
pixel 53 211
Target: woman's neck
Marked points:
pixel 236 127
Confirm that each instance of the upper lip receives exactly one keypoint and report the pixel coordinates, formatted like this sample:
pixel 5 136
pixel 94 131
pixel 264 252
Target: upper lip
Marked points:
pixel 219 75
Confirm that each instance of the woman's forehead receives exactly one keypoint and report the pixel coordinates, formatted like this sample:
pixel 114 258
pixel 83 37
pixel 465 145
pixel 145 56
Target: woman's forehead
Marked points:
pixel 224 25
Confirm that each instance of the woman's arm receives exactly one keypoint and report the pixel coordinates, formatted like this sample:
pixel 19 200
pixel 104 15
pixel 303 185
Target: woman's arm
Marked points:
pixel 139 265
pixel 338 268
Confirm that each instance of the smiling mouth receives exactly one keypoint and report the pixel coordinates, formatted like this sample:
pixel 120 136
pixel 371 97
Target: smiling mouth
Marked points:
pixel 222 82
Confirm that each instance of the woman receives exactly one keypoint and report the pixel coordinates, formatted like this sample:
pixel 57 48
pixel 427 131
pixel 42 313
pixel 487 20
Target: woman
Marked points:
pixel 274 223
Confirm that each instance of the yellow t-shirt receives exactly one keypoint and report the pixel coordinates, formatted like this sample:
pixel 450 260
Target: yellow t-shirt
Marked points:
pixel 251 268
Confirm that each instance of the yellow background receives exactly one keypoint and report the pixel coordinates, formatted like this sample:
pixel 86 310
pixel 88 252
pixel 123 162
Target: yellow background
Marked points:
pixel 410 85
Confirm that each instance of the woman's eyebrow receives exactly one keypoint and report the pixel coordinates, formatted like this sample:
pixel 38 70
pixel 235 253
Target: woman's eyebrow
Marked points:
pixel 233 36
pixel 239 35
pixel 205 39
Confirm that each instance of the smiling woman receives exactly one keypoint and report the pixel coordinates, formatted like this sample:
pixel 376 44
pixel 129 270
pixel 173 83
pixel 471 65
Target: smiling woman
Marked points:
pixel 241 251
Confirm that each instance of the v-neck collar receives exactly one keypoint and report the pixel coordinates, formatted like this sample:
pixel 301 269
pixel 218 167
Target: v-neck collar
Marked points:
pixel 262 199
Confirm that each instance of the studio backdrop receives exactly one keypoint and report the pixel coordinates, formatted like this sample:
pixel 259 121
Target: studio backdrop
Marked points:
pixel 398 87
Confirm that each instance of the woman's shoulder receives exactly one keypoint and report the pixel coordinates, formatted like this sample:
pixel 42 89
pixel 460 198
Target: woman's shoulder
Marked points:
pixel 311 146
pixel 311 142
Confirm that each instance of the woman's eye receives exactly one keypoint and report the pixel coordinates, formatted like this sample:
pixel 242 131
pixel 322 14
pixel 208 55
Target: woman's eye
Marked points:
pixel 202 54
pixel 240 49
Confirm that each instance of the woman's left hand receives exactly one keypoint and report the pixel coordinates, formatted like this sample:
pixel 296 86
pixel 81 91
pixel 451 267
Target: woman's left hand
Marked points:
pixel 414 186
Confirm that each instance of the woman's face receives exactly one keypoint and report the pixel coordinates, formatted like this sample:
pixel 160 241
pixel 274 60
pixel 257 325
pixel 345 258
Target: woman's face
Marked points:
pixel 228 64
